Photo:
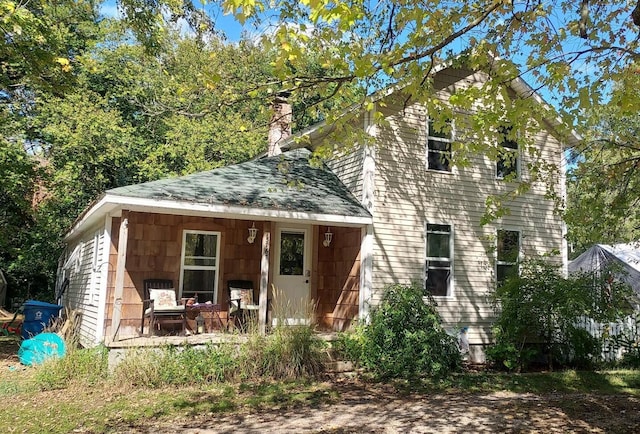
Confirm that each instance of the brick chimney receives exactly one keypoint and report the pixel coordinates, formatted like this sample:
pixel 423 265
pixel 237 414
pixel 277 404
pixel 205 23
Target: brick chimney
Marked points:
pixel 280 124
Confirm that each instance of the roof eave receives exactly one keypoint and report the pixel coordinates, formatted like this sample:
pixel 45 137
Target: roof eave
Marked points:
pixel 111 203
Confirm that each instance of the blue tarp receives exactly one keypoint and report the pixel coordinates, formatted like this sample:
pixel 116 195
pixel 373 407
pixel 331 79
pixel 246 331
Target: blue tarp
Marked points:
pixel 40 348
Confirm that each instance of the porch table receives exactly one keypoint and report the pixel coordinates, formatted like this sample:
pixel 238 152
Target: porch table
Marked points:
pixel 210 311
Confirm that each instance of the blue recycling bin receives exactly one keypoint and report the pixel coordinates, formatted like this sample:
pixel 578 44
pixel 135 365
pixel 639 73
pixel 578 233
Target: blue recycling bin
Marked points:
pixel 37 316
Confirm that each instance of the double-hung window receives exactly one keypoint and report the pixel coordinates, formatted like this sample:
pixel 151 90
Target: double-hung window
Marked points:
pixel 439 139
pixel 508 164
pixel 439 260
pixel 200 262
pixel 508 253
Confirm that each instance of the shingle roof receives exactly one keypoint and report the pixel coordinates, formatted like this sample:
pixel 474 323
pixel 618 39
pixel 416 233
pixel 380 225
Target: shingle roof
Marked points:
pixel 284 182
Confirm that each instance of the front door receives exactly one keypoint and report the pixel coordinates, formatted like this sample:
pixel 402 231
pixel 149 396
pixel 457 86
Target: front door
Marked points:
pixel 291 299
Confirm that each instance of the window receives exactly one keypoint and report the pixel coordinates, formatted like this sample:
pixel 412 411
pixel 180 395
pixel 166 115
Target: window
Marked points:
pixel 439 146
pixel 507 165
pixel 508 250
pixel 200 260
pixel 439 260
pixel 291 253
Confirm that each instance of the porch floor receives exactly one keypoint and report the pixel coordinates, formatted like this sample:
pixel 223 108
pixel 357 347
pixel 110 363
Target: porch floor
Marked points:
pixel 199 339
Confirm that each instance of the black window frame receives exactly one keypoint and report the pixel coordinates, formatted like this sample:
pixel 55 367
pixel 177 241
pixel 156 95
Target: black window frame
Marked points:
pixel 507 259
pixel 508 162
pixel 439 150
pixel 436 265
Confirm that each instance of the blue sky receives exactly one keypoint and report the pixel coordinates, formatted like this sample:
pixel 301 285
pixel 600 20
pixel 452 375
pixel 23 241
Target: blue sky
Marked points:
pixel 225 23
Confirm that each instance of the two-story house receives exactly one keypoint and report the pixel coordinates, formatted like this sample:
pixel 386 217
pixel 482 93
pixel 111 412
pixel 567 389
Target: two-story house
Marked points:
pixel 396 210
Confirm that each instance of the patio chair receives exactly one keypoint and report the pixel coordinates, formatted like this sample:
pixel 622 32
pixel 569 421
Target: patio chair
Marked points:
pixel 161 306
pixel 240 302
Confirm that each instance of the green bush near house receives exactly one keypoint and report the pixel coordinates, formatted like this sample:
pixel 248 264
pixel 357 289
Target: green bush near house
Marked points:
pixel 540 312
pixel 404 339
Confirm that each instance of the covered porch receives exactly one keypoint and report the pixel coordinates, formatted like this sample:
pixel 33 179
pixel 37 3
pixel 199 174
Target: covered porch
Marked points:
pixel 200 255
pixel 290 228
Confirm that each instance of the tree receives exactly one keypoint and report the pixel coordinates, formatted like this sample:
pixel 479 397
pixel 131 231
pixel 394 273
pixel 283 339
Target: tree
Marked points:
pixel 40 49
pixel 573 49
pixel 604 180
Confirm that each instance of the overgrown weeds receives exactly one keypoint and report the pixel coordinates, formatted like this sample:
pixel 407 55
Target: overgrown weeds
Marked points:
pixel 80 366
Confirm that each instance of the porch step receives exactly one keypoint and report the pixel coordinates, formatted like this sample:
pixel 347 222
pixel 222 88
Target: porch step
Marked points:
pixel 339 366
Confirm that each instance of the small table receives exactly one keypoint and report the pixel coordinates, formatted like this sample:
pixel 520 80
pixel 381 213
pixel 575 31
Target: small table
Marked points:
pixel 213 311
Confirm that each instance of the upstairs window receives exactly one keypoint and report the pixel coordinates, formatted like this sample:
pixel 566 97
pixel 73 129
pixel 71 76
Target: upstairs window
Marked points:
pixel 439 262
pixel 508 164
pixel 439 146
pixel 508 253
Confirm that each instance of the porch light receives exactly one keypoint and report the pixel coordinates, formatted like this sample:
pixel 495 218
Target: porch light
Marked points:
pixel 253 231
pixel 328 236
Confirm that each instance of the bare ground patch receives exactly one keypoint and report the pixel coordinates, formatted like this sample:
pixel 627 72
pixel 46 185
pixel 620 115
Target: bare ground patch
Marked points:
pixel 378 409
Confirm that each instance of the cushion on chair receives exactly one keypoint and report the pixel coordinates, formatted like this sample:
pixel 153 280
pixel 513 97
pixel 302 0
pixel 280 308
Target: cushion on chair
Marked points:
pixel 244 295
pixel 164 299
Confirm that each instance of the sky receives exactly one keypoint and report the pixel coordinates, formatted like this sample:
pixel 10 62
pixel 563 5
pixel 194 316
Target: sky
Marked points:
pixel 225 23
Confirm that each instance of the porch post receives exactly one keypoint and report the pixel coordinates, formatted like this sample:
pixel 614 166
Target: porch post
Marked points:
pixel 366 272
pixel 264 279
pixel 120 268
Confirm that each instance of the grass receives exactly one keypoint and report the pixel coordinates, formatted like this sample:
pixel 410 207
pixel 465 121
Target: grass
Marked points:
pixel 71 397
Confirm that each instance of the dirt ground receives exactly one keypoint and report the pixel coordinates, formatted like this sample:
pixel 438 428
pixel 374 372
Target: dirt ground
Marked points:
pixel 374 408
pixel 370 409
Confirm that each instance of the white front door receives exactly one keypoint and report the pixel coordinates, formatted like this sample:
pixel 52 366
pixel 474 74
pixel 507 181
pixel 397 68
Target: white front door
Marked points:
pixel 291 302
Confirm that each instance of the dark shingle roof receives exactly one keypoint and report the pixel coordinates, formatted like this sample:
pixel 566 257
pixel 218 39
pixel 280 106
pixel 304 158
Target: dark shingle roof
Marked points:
pixel 283 182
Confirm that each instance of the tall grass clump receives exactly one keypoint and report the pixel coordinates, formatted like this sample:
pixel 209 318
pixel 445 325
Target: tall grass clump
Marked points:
pixel 292 350
pixel 289 352
pixel 159 367
pixel 404 338
pixel 83 366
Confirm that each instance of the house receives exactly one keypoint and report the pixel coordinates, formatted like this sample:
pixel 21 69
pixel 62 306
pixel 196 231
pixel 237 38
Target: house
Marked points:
pixel 394 211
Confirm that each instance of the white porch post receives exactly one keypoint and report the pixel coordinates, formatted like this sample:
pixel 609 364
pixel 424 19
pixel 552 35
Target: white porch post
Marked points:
pixel 120 269
pixel 366 272
pixel 264 279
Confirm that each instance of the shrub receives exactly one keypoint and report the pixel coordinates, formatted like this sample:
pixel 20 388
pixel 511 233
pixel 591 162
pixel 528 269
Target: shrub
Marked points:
pixel 404 338
pixel 539 312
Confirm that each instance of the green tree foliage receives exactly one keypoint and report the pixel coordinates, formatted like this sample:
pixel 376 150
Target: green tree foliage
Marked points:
pixel 604 181
pixel 40 50
pixel 539 314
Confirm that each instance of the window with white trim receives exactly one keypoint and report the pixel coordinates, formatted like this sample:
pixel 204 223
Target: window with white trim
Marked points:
pixel 508 164
pixel 508 253
pixel 200 264
pixel 439 260
pixel 439 139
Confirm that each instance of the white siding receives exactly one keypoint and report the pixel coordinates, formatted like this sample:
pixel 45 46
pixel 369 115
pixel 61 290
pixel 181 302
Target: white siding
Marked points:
pixel 348 168
pixel 408 196
pixel 86 282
